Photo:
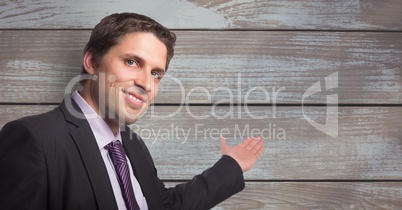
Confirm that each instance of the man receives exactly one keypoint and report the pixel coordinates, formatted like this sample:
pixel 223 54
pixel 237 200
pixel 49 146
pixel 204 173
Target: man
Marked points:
pixel 82 155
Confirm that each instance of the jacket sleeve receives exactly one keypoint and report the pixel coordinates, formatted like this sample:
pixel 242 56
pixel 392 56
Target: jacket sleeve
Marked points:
pixel 23 180
pixel 208 189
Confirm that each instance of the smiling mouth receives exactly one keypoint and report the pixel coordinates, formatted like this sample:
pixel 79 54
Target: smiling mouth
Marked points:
pixel 134 97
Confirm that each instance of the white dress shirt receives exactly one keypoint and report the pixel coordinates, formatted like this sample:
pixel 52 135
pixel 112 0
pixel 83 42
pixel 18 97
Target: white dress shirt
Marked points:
pixel 104 135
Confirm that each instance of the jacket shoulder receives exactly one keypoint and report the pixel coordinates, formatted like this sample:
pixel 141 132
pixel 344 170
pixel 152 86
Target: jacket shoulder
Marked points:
pixel 34 124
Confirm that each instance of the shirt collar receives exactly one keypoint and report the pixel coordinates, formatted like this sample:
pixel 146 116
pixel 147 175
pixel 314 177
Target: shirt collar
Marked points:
pixel 102 132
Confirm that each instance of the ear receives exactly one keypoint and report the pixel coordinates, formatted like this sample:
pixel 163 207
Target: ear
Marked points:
pixel 88 62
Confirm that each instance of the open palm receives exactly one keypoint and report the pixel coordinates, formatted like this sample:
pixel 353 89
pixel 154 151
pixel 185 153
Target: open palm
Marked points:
pixel 246 153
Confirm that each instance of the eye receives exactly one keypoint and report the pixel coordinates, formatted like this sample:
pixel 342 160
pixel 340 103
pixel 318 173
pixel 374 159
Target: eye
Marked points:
pixel 131 62
pixel 156 75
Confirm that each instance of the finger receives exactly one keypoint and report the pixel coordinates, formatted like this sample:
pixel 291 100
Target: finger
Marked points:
pixel 223 144
pixel 254 142
pixel 259 153
pixel 246 142
pixel 258 147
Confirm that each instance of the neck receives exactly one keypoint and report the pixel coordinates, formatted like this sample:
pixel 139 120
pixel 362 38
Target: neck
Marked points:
pixel 113 125
pixel 92 99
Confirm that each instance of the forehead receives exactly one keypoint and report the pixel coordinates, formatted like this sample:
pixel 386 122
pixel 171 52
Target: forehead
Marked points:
pixel 144 45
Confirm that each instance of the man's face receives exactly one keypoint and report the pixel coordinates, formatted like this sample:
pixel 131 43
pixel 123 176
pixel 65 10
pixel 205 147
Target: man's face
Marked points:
pixel 128 77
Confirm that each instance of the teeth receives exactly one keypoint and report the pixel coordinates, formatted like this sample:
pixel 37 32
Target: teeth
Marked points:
pixel 132 97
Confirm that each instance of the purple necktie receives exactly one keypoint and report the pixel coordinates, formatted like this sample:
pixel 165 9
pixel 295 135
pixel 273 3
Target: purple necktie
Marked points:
pixel 118 157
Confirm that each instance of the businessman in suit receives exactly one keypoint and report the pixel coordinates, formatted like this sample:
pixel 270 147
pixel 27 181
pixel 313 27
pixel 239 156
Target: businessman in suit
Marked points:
pixel 82 155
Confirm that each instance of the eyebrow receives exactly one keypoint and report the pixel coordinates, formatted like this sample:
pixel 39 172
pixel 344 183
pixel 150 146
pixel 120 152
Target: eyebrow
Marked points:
pixel 162 71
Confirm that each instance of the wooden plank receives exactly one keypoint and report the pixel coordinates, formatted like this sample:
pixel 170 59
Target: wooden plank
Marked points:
pixel 236 66
pixel 201 14
pixel 368 145
pixel 314 195
pixel 13 112
pixel 310 195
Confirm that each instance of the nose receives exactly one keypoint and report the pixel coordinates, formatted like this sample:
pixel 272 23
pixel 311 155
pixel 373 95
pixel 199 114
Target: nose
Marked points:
pixel 144 80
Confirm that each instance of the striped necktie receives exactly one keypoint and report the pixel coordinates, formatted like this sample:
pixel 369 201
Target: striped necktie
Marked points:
pixel 119 160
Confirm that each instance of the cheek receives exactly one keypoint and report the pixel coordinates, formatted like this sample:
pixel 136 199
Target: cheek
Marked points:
pixel 154 92
pixel 111 80
pixel 115 74
pixel 114 83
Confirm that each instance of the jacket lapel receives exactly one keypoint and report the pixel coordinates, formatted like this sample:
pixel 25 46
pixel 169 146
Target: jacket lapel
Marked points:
pixel 88 148
pixel 143 167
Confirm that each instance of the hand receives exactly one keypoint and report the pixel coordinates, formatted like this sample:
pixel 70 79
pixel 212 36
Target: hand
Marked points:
pixel 246 153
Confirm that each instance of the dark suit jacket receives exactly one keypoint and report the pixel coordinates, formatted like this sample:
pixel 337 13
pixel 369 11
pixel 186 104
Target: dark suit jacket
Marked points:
pixel 52 161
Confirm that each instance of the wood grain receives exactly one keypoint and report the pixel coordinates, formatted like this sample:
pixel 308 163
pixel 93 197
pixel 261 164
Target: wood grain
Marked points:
pixel 309 195
pixel 368 145
pixel 273 52
pixel 314 195
pixel 202 14
pixel 259 67
pixel 13 112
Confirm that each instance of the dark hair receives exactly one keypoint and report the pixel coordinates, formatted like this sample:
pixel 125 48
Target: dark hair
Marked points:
pixel 110 29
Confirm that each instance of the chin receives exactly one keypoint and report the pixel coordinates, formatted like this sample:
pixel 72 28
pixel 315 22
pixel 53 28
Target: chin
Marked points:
pixel 130 121
pixel 128 115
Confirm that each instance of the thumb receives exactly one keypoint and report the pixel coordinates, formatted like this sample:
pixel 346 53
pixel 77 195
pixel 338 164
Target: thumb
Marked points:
pixel 224 146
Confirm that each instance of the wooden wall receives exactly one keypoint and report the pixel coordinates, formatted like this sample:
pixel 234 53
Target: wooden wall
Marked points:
pixel 243 67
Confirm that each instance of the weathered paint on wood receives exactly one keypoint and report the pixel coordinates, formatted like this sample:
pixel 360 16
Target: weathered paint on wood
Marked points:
pixel 13 112
pixel 314 195
pixel 310 195
pixel 201 14
pixel 36 65
pixel 230 66
pixel 368 145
